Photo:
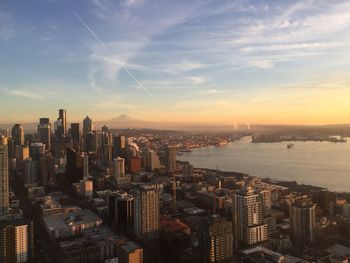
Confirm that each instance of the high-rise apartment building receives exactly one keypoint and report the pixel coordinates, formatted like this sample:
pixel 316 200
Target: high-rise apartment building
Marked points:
pixel 170 159
pixel 4 178
pixel 17 134
pixel 16 241
pixel 268 219
pixel 220 239
pixel 146 212
pixel 248 223
pixel 302 222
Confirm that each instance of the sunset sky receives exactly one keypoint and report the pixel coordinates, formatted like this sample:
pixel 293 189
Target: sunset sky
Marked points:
pixel 186 60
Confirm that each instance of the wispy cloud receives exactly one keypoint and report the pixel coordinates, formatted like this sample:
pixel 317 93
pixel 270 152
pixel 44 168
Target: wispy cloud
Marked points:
pixel 22 93
pixel 7 30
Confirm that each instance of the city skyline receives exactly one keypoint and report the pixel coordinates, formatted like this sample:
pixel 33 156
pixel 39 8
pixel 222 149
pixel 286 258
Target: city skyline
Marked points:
pixel 233 61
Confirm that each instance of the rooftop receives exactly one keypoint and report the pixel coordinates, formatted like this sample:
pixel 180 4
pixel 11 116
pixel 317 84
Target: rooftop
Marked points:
pixel 60 221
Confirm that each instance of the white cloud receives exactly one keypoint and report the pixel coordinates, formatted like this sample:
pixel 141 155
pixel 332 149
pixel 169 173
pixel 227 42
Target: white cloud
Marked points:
pixel 133 3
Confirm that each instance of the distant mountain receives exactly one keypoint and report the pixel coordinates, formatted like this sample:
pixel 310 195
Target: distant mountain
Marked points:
pixel 124 121
pixel 122 117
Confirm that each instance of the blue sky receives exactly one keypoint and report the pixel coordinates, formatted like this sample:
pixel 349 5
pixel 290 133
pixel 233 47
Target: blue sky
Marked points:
pixel 204 61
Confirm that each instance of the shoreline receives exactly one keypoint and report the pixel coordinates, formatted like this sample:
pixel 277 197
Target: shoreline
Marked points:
pixel 284 183
pixel 195 159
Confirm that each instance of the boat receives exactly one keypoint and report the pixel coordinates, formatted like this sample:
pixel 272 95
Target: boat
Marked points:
pixel 290 145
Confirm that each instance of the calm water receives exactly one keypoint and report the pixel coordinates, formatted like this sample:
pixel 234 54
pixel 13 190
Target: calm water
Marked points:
pixel 318 163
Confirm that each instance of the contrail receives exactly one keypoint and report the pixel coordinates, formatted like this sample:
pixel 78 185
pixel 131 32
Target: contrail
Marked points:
pixel 109 51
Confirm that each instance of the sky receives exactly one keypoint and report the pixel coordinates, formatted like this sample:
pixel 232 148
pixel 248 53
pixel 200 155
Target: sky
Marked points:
pixel 210 61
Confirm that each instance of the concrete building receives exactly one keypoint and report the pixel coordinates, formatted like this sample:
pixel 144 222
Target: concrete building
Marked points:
pixel 16 241
pixel 146 212
pixel 86 188
pixel 170 158
pixel 248 224
pixel 44 132
pixel 220 239
pixel 21 153
pixel 152 162
pixel 72 224
pixel 259 254
pixel 49 206
pixel 302 222
pixel 119 172
pixel 30 173
pixel 130 252
pixel 124 210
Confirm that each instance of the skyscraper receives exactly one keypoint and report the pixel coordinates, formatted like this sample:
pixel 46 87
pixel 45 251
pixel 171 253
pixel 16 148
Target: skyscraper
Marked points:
pixel 302 222
pixel 119 146
pixel 151 160
pixel 124 210
pixel 170 158
pixel 36 150
pixel 220 239
pixel 90 142
pixel 74 167
pixel 146 216
pixel 119 172
pixel 87 125
pixel 30 173
pixel 119 168
pixel 86 166
pixel 248 224
pixel 17 134
pixel 44 121
pixel 61 124
pixel 87 128
pixel 44 132
pixel 21 153
pixel 75 135
pixel 4 178
pixel 268 219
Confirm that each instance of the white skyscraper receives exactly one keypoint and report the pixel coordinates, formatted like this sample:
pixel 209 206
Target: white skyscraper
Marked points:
pixel 248 224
